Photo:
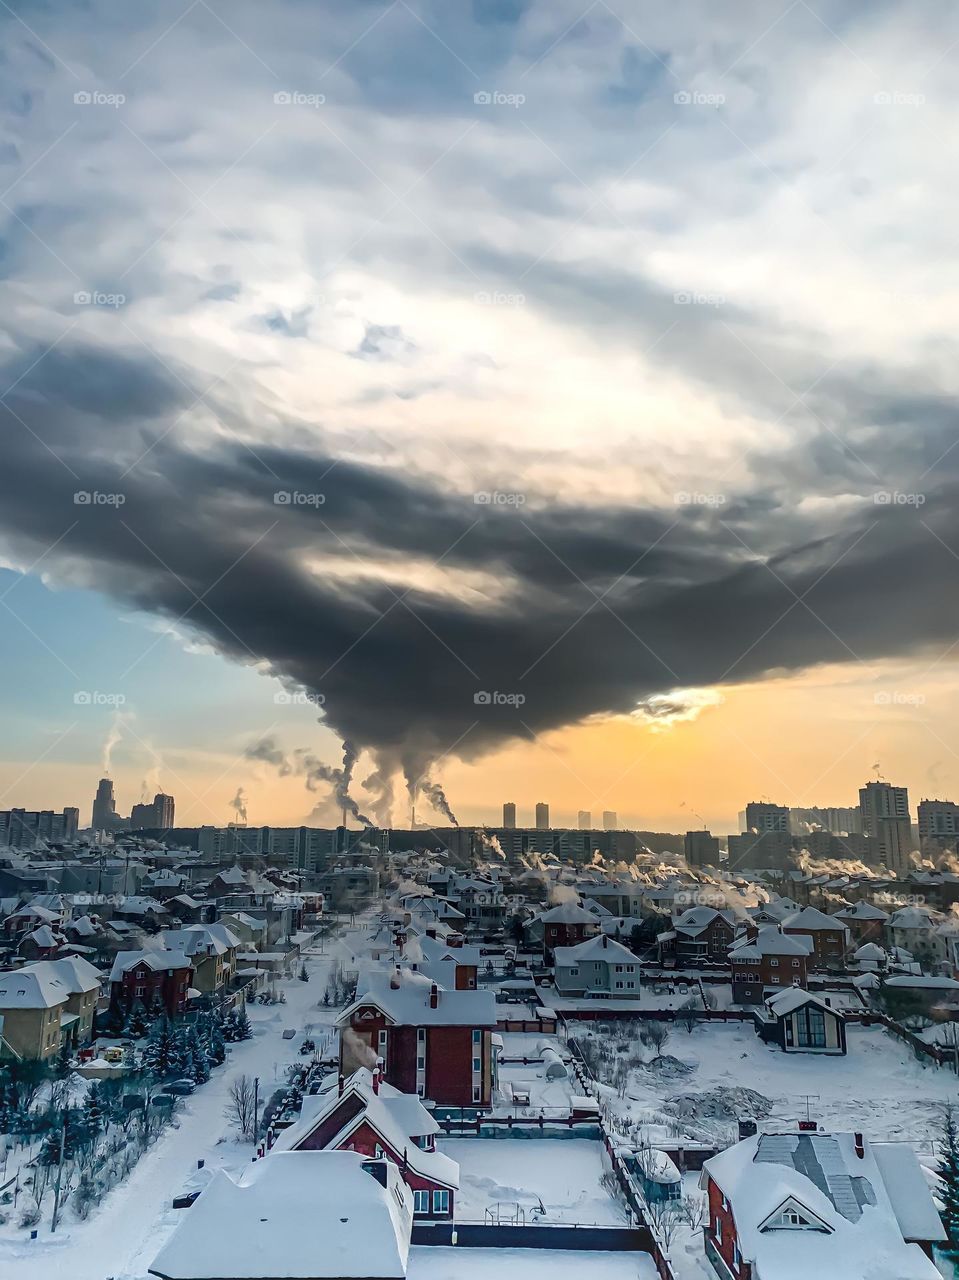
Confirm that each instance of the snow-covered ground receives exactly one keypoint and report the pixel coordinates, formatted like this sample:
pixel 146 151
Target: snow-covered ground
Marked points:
pixel 123 1235
pixel 531 1264
pixel 562 1174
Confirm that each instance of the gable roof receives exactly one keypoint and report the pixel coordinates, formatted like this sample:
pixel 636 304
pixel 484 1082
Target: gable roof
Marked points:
pixel 602 948
pixel 770 942
pixel 32 987
pixel 123 961
pixel 813 918
pixel 408 1004
pixel 253 1224
pixel 792 998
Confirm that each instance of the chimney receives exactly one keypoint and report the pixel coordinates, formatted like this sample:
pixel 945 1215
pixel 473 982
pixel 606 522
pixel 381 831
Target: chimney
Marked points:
pixel 860 1147
pixel 434 996
pixel 605 940
pixel 395 979
pixel 341 1083
pixel 376 1077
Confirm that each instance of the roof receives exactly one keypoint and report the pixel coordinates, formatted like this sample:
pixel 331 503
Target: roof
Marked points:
pixel 911 918
pixel 252 1225
pixel 908 1192
pixel 825 1179
pixel 792 998
pixel 862 910
pixel 125 960
pixel 770 942
pixel 408 1004
pixel 567 913
pixel 33 987
pixel 811 918
pixel 196 938
pixel 602 948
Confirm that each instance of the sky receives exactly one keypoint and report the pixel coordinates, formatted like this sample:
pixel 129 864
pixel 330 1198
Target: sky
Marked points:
pixel 547 401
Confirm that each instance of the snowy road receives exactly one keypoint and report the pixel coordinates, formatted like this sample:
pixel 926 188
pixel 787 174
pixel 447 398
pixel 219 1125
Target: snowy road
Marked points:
pixel 122 1237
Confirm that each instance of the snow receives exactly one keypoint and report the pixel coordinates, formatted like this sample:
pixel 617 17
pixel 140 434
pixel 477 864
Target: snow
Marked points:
pixel 122 1236
pixel 562 1173
pixel 435 1263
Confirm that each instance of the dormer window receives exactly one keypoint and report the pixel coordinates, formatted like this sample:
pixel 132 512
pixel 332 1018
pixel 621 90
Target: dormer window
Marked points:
pixel 793 1216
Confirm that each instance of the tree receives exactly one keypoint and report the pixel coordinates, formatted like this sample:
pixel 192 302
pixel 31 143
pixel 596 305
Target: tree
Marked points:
pixel 654 1035
pixel 93 1109
pixel 240 1108
pixel 686 1014
pixel 162 1055
pixel 949 1174
pixel 303 975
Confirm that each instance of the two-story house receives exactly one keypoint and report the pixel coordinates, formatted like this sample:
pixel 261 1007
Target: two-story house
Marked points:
pixel 767 958
pixel 597 967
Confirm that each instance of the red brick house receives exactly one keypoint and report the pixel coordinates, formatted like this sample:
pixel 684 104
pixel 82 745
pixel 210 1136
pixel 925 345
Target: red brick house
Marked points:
pixel 368 1115
pixel 453 966
pixel 830 937
pixel 701 935
pixel 817 1204
pixel 139 978
pixel 564 926
pixel 767 958
pixel 865 922
pixel 434 1043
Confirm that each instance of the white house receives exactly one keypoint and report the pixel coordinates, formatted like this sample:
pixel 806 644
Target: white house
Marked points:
pixel 597 967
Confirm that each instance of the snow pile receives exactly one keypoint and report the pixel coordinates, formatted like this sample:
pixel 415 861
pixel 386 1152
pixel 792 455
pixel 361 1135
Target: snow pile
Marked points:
pixel 721 1103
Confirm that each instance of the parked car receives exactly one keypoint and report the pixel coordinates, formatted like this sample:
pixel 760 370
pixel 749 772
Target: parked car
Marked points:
pixel 179 1088
pixel 308 1046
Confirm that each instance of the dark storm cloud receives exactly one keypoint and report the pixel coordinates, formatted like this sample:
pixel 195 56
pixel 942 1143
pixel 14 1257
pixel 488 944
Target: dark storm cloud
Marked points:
pixel 582 610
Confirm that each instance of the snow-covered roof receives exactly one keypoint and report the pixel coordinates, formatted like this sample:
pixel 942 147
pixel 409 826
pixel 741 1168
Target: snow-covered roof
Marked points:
pixel 300 1215
pixel 33 987
pixel 907 1191
pixel 125 960
pixel 791 998
pixel 602 948
pixel 813 918
pixel 911 918
pixel 916 980
pixel 770 942
pixel 408 1003
pixel 870 951
pixel 195 938
pixel 862 910
pixel 855 1230
pixel 567 913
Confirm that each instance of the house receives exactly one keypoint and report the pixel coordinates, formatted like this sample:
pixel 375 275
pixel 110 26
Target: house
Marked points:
pixel 701 935
pixel 211 949
pixel 435 1043
pixel 597 967
pixel 767 957
pixel 299 1215
pixel 916 930
pixel 865 921
pixel 143 979
pixel 33 1000
pixel 801 1022
pixel 249 930
pixel 817 1204
pixel 455 967
pixel 367 1115
pixel 830 937
pixel 83 982
pixel 563 926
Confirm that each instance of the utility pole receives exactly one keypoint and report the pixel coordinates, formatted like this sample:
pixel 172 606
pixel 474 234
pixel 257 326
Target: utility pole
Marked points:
pixel 56 1193
pixel 256 1108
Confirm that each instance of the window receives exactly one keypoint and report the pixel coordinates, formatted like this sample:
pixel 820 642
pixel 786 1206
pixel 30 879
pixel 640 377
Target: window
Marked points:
pixel 421 1035
pixel 477 1064
pixel 774 962
pixel 138 991
pixel 774 980
pixel 477 1037
pixel 630 985
pixel 718 1228
pixel 619 968
pixel 420 1063
pixel 441 1202
pixel 795 964
pixel 421 1202
pixel 810 1026
pixel 477 1093
pixel 619 986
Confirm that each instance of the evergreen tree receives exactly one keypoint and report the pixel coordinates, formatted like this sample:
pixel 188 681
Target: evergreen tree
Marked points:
pixel 243 1029
pixel 198 1068
pixel 138 1024
pixel 949 1173
pixel 93 1110
pixel 304 976
pixel 162 1053
pixel 61 1068
pixel 216 1048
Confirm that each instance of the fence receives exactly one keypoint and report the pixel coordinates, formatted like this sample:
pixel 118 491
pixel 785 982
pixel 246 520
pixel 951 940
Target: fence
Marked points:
pixel 485 1235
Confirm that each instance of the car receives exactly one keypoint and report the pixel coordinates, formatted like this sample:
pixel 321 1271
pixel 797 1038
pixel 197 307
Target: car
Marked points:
pixel 179 1088
pixel 308 1046
pixel 113 1054
pixel 289 1033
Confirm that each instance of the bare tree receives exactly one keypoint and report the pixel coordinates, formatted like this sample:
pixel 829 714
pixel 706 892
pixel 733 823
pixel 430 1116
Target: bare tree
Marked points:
pixel 240 1108
pixel 654 1035
pixel 686 1014
pixel 665 1216
pixel 692 1211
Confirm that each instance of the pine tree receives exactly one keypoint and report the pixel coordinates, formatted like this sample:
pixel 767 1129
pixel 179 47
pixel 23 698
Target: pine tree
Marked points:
pixel 198 1068
pixel 162 1054
pixel 216 1048
pixel 243 1029
pixel 61 1068
pixel 93 1110
pixel 949 1173
pixel 304 976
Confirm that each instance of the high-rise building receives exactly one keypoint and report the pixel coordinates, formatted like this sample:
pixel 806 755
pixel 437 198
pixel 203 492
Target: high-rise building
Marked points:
pixel 938 818
pixel 509 815
pixel 878 800
pixel 22 828
pixel 761 816
pixel 701 848
pixel 542 816
pixel 610 822
pixel 840 821
pixel 585 820
pixel 895 843
pixel 105 816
